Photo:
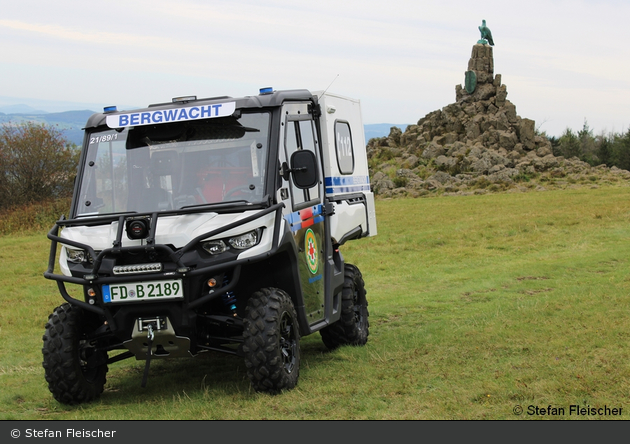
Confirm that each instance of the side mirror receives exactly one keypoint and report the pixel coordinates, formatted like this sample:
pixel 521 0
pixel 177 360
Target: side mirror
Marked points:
pixel 304 169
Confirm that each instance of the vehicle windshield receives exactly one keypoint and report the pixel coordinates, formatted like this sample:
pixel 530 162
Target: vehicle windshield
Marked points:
pixel 175 165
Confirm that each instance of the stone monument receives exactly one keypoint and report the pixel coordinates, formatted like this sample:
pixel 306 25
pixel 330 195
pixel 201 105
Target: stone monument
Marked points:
pixel 480 81
pixel 476 141
pixel 481 63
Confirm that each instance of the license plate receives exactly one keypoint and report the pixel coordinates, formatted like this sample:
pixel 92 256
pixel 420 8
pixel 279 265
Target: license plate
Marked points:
pixel 143 291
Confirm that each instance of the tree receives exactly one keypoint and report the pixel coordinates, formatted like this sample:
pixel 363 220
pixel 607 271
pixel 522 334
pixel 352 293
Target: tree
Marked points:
pixel 621 150
pixel 582 145
pixel 605 150
pixel 36 163
pixel 588 147
pixel 569 145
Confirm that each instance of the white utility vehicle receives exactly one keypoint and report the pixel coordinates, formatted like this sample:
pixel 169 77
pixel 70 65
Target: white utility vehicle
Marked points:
pixel 211 224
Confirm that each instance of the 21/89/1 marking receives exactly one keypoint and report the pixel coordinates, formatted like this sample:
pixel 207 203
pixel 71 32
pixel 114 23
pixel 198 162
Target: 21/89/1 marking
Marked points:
pixel 143 291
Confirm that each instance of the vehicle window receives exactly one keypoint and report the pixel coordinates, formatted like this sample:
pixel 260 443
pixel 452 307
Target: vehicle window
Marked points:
pixel 174 165
pixel 344 149
pixel 300 135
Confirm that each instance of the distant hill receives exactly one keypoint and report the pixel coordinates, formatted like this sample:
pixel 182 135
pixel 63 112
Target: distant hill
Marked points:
pixel 71 123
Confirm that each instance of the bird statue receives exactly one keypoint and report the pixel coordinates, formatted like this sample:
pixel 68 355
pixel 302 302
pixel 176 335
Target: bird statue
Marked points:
pixel 486 35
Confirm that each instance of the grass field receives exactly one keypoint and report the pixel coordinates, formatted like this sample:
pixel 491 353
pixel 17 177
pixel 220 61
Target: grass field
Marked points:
pixel 479 306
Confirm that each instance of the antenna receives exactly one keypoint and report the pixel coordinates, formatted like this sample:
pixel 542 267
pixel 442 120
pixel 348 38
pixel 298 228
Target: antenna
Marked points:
pixel 333 81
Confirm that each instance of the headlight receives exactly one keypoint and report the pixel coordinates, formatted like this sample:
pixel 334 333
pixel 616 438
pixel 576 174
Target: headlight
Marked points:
pixel 76 256
pixel 245 241
pixel 215 246
pixel 241 242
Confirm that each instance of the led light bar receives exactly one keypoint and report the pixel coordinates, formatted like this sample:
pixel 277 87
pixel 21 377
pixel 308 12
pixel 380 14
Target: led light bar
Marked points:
pixel 138 268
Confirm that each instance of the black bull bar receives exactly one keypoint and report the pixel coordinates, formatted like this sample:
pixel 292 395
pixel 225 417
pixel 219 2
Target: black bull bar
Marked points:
pixel 174 255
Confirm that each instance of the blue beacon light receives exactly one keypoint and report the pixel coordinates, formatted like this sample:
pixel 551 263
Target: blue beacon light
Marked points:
pixel 109 109
pixel 267 90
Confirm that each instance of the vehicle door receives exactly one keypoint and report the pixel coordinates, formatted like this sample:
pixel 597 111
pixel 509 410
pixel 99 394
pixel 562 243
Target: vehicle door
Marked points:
pixel 303 209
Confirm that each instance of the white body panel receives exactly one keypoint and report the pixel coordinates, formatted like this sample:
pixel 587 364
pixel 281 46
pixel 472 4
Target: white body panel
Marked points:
pixel 340 185
pixel 175 230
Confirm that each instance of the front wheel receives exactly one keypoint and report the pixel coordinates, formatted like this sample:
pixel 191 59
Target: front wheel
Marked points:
pixel 271 341
pixel 74 368
pixel 353 326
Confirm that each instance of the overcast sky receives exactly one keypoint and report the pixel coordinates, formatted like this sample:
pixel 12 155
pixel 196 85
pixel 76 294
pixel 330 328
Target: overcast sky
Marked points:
pixel 562 61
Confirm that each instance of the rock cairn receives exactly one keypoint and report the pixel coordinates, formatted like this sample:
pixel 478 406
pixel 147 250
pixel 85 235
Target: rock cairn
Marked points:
pixel 475 145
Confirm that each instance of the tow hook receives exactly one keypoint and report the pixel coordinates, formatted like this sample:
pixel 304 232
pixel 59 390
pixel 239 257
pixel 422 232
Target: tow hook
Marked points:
pixel 150 337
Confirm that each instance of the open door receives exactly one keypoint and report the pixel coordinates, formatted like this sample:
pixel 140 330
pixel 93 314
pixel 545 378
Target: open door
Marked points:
pixel 305 214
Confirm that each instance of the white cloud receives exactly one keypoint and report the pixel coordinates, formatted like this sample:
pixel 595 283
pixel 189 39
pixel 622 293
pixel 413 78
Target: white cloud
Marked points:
pixel 403 59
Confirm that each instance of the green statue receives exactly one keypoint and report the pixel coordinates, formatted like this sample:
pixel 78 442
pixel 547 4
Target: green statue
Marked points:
pixel 470 82
pixel 486 35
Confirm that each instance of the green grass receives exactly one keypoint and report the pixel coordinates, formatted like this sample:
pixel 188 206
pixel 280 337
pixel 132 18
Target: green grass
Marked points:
pixel 477 304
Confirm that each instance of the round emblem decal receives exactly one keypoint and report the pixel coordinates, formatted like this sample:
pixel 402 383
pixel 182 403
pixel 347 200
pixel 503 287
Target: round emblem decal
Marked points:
pixel 310 248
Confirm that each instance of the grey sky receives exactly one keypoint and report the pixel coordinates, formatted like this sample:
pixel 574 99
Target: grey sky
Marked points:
pixel 562 61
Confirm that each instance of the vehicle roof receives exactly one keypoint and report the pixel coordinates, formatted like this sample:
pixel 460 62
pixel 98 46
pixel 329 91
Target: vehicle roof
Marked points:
pixel 274 99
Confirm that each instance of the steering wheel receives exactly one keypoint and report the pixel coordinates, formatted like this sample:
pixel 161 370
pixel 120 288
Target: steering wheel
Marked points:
pixel 245 189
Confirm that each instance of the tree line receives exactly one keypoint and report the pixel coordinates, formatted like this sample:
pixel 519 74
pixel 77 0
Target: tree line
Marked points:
pixel 37 164
pixel 611 149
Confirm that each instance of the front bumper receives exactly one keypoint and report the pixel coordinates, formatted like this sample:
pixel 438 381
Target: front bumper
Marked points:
pixel 179 263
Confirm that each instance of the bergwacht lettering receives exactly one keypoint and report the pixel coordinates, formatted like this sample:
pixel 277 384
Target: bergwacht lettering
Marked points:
pixel 171 115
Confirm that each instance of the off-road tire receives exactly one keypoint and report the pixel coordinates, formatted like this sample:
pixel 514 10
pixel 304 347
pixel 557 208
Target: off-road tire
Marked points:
pixel 271 345
pixel 353 327
pixel 66 353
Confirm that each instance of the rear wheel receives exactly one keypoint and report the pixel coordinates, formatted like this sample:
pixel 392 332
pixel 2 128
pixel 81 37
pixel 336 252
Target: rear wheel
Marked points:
pixel 353 326
pixel 75 370
pixel 271 341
